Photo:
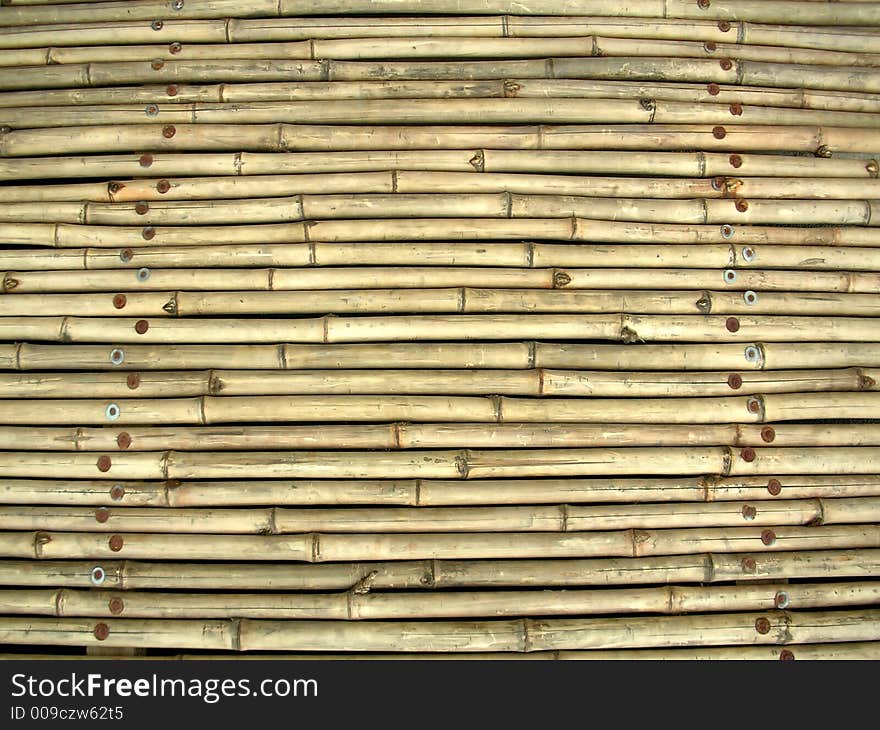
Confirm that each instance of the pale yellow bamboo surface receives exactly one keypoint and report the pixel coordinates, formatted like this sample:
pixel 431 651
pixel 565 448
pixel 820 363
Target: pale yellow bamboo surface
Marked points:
pixel 442 329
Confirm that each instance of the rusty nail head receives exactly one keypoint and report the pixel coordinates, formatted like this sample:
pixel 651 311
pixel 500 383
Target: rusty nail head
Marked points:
pixel 703 4
pixel 116 542
pixel 781 600
pixel 141 326
pixel 175 47
pixel 742 205
pixel 168 131
pixel 117 492
pixel 102 631
pixel 102 514
pixel 146 160
pixel 133 381
pixel 749 512
pixel 723 26
pixel 104 463
pixel 717 183
pixel 719 132
pixel 123 440
pixel 119 301
pixel 736 161
pixel 754 405
pixel 774 486
pixel 710 46
pixel 157 64
pixel 126 255
pixel 116 605
pixel 768 537
pixel 726 64
pixel 732 324
pixel 786 655
pixel 163 186
pixel 157 25
pixel 736 109
pixel 713 89
pixel 151 110
pixel 768 434
pixel 747 454
pixel 141 208
pixel 735 381
pixel 749 565
pixel 148 232
pixel 171 90
pixel 762 625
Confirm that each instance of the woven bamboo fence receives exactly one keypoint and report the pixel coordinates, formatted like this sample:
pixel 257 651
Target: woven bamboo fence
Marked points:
pixel 445 329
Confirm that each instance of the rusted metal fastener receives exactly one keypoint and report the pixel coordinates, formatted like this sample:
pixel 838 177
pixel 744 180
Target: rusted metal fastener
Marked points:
pixel 748 565
pixel 141 326
pixel 747 454
pixel 117 356
pixel 126 255
pixel 786 655
pixel 732 324
pixel 768 434
pixel 735 161
pixel 726 64
pixel 143 273
pixel 151 110
pixel 774 486
pixel 102 514
pixel 719 132
pixel 762 625
pixel 710 47
pixel 782 600
pixel 754 405
pixel 157 25
pixel 116 543
pixel 145 160
pixel 742 205
pixel 114 187
pixel 176 4
pixel 735 381
pixel 116 605
pixel 750 297
pixel 117 492
pixel 104 463
pixel 148 232
pixel 169 131
pixel 175 47
pixel 736 109
pixel 768 537
pixel 171 89
pixel 102 631
pixel 123 440
pixel 141 207
pixel 157 64
pixel 133 381
pixel 163 186
pixel 713 89
pixel 119 301
pixel 723 26
pixel 703 4
pixel 749 512
pixel 727 231
pixel 97 576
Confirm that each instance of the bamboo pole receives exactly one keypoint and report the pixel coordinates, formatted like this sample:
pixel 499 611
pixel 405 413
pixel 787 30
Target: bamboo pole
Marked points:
pixel 353 606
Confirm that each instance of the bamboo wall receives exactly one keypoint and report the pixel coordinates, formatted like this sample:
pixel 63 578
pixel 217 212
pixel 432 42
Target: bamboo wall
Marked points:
pixel 544 329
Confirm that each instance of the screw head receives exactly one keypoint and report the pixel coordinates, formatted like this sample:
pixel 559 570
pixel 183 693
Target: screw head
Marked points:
pixel 732 324
pixel 752 354
pixel 782 600
pixel 762 625
pixel 123 440
pixel 719 132
pixel 157 64
pixel 723 26
pixel 768 537
pixel 774 486
pixel 742 205
pixel 97 576
pixel 171 89
pixel 175 47
pixel 163 186
pixel 133 381
pixel 145 160
pixel 148 233
pixel 117 492
pixel 703 4
pixel 713 89
pixel 749 512
pixel 735 161
pixel 112 412
pixel 104 463
pixel 727 231
pixel 729 276
pixel 717 183
pixel 736 109
pixel 141 326
pixel 126 255
pixel 157 25
pixel 151 110
pixel 754 405
pixel 102 631
pixel 726 64
pixel 168 131
pixel 786 655
pixel 748 565
pixel 141 208
pixel 710 47
pixel 115 543
pixel 117 356
pixel 116 605
pixel 119 301
pixel 747 454
pixel 176 4
pixel 750 297
pixel 735 381
pixel 102 514
pixel 768 434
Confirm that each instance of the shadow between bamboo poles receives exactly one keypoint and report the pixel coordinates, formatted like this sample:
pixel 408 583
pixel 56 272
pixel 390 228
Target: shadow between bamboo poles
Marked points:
pixel 391 520
pixel 530 382
pixel 315 138
pixel 65 602
pixel 244 164
pixel 432 492
pixel 524 635
pixel 319 548
pixel 430 574
pixel 511 355
pixel 457 464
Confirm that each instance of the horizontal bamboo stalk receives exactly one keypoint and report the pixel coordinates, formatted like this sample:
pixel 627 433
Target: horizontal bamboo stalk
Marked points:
pixel 428 574
pixel 424 111
pixel 448 464
pixel 355 606
pixel 530 382
pixel 690 164
pixel 502 355
pixel 315 138
pixel 495 519
pixel 318 548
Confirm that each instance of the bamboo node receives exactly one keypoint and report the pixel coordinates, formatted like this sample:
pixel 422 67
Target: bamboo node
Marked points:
pixel 786 655
pixel 774 486
pixel 762 625
pixel 101 632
